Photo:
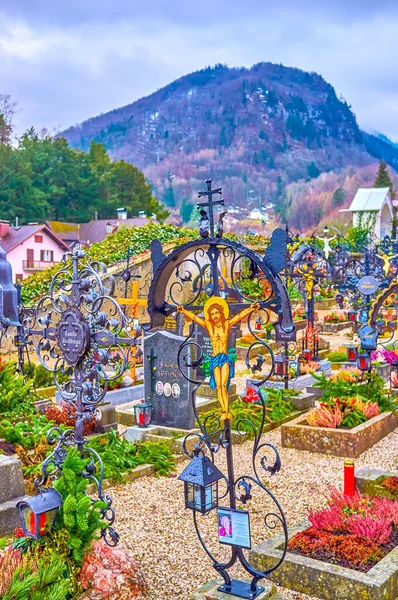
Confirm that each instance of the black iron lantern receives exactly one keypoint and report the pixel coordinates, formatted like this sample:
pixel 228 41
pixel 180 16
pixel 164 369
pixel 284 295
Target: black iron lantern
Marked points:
pixel 352 315
pixel 280 365
pixel 363 361
pixel 352 353
pixel 37 513
pixel 201 479
pixel 143 413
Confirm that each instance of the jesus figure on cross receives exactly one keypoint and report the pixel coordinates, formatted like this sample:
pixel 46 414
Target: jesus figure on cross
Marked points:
pixel 218 324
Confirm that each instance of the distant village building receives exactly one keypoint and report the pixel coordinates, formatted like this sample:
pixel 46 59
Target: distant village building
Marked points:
pixel 257 215
pixel 30 248
pixel 34 247
pixel 86 234
pixel 373 204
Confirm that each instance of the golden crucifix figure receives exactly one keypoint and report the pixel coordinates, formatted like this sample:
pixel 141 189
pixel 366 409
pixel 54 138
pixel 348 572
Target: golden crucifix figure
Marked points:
pixel 218 324
pixel 386 261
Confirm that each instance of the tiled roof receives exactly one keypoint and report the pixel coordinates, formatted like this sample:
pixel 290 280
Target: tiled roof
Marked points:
pixel 94 231
pixel 19 235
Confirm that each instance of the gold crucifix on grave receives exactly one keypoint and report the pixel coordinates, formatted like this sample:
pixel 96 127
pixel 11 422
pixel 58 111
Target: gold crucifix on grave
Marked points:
pixel 135 302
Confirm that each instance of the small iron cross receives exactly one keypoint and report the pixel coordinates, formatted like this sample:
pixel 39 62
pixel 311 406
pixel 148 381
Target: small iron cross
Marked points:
pixel 210 203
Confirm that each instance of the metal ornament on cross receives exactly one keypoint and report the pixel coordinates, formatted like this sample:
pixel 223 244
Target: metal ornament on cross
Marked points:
pixel 81 336
pixel 208 282
pixel 210 204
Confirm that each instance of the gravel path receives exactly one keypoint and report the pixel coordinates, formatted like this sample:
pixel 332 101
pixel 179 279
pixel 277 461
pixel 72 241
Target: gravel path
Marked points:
pixel 153 523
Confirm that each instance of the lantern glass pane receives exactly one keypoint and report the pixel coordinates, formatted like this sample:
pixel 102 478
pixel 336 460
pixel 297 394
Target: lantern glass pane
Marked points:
pixel 189 495
pixel 28 520
pixel 214 493
pixel 46 520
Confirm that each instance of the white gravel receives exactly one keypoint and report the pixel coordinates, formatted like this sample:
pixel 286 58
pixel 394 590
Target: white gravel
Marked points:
pixel 154 524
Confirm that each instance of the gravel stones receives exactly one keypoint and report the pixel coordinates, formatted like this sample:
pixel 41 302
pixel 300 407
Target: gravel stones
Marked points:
pixel 155 526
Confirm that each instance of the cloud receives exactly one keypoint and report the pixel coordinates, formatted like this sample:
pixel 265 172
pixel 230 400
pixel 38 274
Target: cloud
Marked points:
pixel 64 62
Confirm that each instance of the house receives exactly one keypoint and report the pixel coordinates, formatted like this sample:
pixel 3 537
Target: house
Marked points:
pixel 373 204
pixel 30 248
pixel 85 234
pixel 257 215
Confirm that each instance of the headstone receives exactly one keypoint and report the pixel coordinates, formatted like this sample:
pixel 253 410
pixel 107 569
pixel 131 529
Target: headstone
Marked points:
pixel 165 387
pixel 11 492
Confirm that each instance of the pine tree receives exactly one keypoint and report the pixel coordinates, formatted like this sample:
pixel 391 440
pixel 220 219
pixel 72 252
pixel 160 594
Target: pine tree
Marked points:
pixel 384 180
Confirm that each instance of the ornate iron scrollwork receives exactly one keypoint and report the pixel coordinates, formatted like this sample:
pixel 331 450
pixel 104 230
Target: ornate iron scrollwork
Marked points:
pixel 235 281
pixel 81 335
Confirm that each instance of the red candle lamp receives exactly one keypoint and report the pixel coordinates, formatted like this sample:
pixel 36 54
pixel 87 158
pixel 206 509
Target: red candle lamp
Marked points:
pixel 352 353
pixel 349 478
pixel 37 513
pixel 143 413
pixel 352 315
pixel 280 365
pixel 363 361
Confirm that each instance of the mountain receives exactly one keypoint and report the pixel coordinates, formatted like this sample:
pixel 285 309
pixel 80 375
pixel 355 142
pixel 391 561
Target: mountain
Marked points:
pixel 254 131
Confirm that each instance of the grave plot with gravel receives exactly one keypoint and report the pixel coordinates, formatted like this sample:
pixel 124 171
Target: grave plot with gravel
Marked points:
pixel 154 524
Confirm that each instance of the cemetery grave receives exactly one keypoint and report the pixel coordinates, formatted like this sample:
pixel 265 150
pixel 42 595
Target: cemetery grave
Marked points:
pixel 183 419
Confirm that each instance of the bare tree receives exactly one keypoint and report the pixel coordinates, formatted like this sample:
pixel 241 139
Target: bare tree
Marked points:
pixel 7 112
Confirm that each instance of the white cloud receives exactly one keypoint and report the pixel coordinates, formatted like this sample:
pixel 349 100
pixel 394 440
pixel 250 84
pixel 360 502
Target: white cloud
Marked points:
pixel 67 61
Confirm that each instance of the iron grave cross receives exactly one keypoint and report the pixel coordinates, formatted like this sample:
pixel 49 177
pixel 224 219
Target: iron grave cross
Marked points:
pixel 210 203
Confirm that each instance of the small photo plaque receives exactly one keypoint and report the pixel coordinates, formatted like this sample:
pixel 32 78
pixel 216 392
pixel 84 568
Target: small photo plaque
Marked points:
pixel 234 527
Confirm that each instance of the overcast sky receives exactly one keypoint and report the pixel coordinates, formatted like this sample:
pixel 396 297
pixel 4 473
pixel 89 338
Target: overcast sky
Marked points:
pixel 64 61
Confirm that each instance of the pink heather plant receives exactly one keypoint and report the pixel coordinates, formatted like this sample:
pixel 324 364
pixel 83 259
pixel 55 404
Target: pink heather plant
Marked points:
pixel 331 519
pixel 386 508
pixel 376 529
pixel 9 563
pixel 368 518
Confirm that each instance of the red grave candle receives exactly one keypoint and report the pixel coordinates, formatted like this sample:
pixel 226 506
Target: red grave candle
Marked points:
pixel 349 478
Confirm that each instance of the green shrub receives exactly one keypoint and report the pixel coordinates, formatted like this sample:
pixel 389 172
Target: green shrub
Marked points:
pixel 16 395
pixel 43 377
pixel 337 357
pixel 79 517
pixel 120 455
pixel 38 579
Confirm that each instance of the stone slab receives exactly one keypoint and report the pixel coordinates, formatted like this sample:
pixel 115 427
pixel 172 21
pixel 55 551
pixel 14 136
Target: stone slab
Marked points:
pixel 9 516
pixel 117 397
pixel 348 443
pixel 108 416
pixel 11 478
pixel 369 480
pixel 303 402
pixel 209 592
pixel 333 327
pixel 323 580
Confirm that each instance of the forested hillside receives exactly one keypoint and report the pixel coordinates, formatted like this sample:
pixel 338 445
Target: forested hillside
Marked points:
pixel 255 131
pixel 43 178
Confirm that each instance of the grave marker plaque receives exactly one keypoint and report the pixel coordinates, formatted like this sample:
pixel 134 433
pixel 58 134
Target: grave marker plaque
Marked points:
pixel 165 387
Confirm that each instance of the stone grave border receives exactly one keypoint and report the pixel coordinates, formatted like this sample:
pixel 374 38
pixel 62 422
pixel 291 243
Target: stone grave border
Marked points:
pixel 324 580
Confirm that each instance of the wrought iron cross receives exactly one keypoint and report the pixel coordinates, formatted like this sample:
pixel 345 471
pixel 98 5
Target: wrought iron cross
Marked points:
pixel 210 203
